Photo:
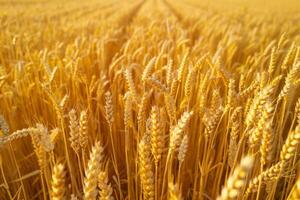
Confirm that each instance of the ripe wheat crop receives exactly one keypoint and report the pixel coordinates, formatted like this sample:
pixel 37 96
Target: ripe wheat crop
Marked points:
pixel 149 100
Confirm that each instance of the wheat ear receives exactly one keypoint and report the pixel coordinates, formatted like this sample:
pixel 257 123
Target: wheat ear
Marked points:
pixel 177 131
pixel 154 82
pixel 289 80
pixel 148 69
pixel 92 172
pixel 270 174
pixel 74 131
pixel 128 118
pixel 109 111
pixel 157 140
pixel 83 132
pixel 3 125
pixel 183 149
pixel 231 94
pixel 130 83
pixel 182 66
pixel 145 168
pixel 235 129
pixel 105 188
pixel 142 111
pixel 58 183
pixel 272 64
pixel 169 73
pixel 295 193
pixel 289 148
pixel 288 58
pixel 189 83
pixel 266 148
pixel 237 180
pixel 17 134
pixel 174 192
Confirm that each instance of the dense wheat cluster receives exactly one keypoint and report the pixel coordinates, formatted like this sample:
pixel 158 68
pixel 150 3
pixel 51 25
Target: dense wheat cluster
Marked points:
pixel 149 100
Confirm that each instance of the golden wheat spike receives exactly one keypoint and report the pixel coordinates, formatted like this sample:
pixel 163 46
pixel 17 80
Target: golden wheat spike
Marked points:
pixel 92 172
pixel 105 189
pixel 169 73
pixel 272 64
pixel 189 83
pixel 145 168
pixel 18 134
pixel 182 66
pixel 295 193
pixel 177 131
pixel 128 118
pixel 142 111
pixel 174 193
pixel 3 125
pixel 270 174
pixel 131 84
pixel 289 81
pixel 288 58
pixel 58 183
pixel 109 111
pixel 235 129
pixel 148 69
pixel 265 124
pixel 183 149
pixel 289 148
pixel 157 139
pixel 237 181
pixel 83 129
pixel 74 131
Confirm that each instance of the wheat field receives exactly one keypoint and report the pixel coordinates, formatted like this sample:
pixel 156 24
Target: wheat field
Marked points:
pixel 149 100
